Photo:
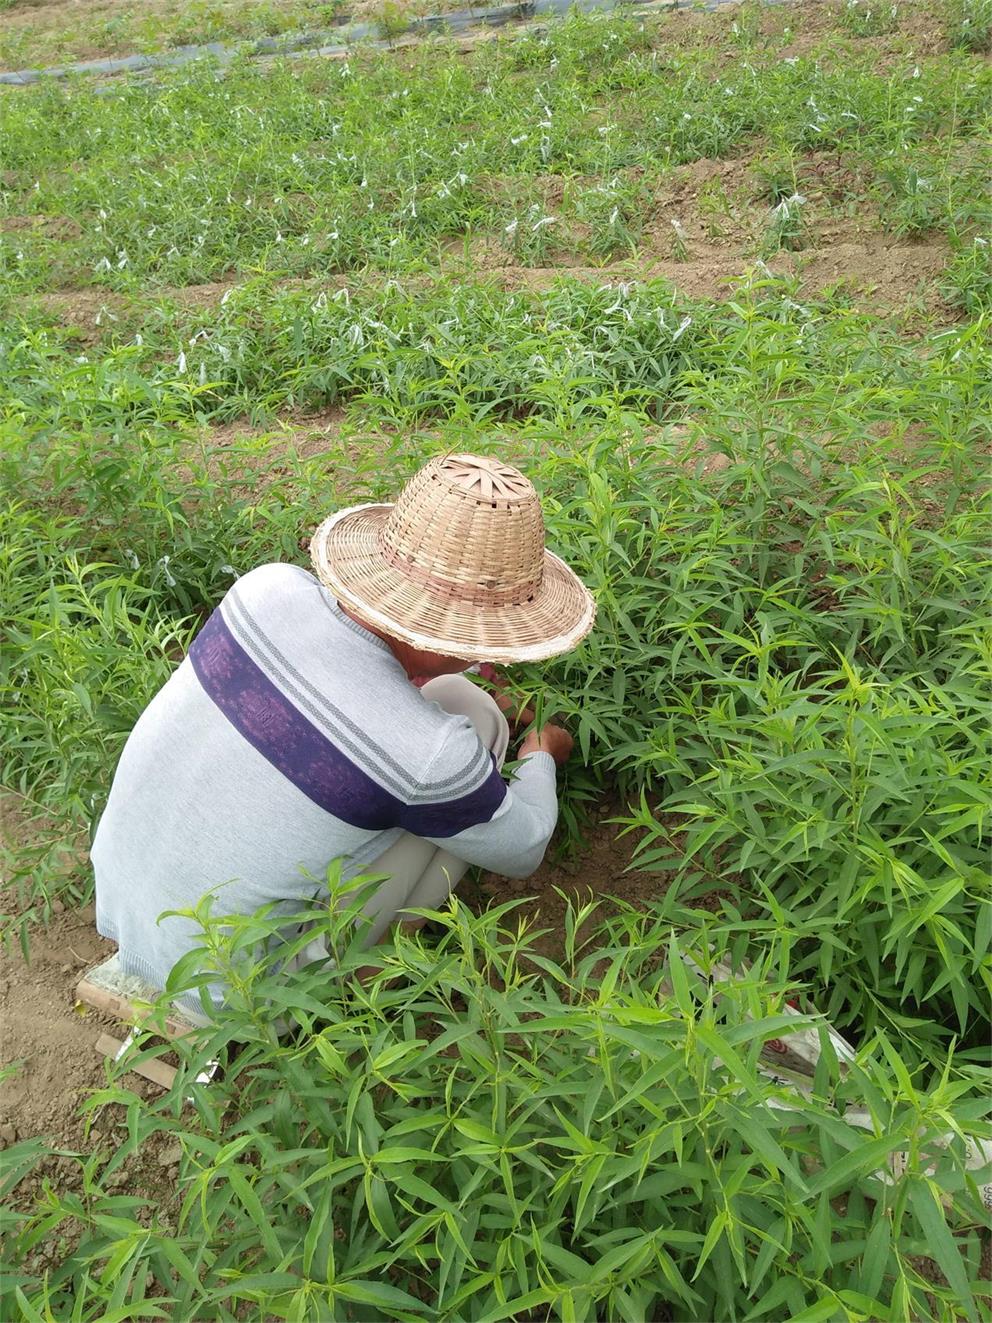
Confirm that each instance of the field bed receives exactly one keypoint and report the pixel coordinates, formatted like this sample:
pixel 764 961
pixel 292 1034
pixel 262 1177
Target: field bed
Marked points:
pixel 720 282
pixel 78 30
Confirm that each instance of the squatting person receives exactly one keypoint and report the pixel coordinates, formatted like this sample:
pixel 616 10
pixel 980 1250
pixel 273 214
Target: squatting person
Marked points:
pixel 294 735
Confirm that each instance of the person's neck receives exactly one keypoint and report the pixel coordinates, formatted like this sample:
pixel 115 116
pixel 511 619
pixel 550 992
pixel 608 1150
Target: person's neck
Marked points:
pixel 399 650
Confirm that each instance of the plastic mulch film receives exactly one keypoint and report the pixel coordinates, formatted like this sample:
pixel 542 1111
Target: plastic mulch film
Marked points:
pixel 790 1061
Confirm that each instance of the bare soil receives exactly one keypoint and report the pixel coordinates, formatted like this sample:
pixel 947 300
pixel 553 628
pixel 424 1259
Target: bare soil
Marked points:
pixel 44 1036
pixel 601 872
pixel 807 27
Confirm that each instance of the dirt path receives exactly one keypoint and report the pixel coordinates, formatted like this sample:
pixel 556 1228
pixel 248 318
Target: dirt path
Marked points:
pixel 43 1037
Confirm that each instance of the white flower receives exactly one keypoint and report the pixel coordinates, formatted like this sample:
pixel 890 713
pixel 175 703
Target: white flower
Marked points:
pixel 132 559
pixel 164 563
pixel 181 361
pixel 683 326
pixel 784 208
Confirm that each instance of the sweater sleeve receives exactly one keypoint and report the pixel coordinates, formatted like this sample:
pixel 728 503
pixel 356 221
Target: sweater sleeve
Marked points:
pixel 464 805
pixel 513 841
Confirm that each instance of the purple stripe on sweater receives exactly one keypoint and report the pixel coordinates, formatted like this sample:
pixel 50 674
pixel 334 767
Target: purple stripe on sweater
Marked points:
pixel 272 725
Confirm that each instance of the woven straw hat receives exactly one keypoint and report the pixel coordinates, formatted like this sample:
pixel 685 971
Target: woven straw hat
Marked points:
pixel 457 566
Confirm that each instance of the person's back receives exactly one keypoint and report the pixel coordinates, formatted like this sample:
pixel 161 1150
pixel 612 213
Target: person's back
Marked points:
pixel 290 737
pixel 293 736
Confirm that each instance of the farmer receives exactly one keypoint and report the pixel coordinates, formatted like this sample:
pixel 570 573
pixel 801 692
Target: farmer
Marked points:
pixel 295 733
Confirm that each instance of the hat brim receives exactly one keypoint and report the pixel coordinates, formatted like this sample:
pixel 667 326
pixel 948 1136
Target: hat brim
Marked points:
pixel 346 555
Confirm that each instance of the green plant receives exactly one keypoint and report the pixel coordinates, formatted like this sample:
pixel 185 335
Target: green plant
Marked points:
pixel 778 502
pixel 612 216
pixel 680 249
pixel 968 278
pixel 482 1131
pixel 776 178
pixel 969 25
pixel 787 226
pixel 870 18
pixel 746 26
pixel 318 185
pixel 392 19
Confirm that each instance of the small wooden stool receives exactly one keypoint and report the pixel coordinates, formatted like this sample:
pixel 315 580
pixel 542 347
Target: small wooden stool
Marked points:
pixel 108 989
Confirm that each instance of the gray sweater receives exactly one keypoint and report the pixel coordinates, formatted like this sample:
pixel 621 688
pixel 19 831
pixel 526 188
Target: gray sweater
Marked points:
pixel 288 738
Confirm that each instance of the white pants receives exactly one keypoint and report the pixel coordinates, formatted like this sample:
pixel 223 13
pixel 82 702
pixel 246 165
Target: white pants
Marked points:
pixel 422 875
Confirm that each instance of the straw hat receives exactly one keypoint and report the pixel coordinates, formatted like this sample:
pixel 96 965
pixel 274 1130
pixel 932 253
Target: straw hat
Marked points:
pixel 457 566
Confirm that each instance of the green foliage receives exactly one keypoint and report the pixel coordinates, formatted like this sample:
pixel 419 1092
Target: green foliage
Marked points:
pixel 612 215
pixel 968 278
pixel 933 191
pixel 870 18
pixel 776 177
pixel 792 675
pixel 122 30
pixel 481 1132
pixel 787 227
pixel 319 185
pixel 969 25
pixel 392 19
pixel 780 504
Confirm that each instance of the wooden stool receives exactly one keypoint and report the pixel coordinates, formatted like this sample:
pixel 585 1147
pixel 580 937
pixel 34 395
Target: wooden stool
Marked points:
pixel 108 989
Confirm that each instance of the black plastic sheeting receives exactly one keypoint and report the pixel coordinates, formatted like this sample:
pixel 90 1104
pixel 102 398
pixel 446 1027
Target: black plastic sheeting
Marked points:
pixel 348 35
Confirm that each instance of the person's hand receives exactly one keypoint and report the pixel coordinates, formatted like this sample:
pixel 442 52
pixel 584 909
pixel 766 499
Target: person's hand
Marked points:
pixel 549 739
pixel 505 701
pixel 511 709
